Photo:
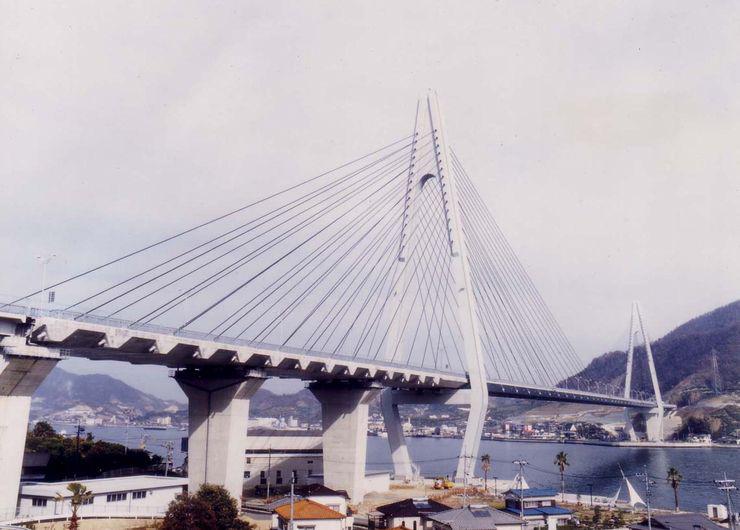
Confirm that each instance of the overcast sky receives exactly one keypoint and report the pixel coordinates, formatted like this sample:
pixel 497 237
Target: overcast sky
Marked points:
pixel 604 135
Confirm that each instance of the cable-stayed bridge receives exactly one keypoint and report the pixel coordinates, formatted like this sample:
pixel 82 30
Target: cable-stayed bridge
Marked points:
pixel 387 272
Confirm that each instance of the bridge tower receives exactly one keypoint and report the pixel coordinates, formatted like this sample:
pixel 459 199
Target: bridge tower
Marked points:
pixel 655 416
pixel 428 124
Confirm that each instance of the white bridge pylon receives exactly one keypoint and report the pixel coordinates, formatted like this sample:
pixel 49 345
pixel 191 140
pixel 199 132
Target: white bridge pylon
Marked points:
pixel 441 178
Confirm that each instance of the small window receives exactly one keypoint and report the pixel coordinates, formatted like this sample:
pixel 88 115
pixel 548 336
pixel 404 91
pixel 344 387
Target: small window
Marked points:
pixel 249 460
pixel 278 477
pixel 116 497
pixel 247 474
pixel 138 494
pixel 88 500
pixel 263 479
pixel 309 462
pixel 36 501
pixel 310 472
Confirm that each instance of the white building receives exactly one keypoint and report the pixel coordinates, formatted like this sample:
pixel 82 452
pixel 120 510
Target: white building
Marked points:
pixel 141 494
pixel 281 457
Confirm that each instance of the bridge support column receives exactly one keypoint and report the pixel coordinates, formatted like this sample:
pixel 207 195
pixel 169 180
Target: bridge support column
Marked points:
pixel 629 427
pixel 20 376
pixel 654 424
pixel 399 450
pixel 218 410
pixel 344 410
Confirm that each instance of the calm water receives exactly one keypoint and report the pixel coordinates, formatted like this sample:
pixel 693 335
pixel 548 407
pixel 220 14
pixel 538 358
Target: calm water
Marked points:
pixel 589 464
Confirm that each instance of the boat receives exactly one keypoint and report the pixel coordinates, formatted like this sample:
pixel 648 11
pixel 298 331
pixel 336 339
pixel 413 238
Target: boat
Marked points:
pixel 155 428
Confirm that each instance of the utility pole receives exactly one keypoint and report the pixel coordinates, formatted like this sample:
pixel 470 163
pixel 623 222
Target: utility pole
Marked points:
pixel 521 464
pixel 715 373
pixel 269 464
pixel 169 459
pixel 648 483
pixel 591 494
pixel 77 447
pixel 292 489
pixel 44 260
pixel 727 486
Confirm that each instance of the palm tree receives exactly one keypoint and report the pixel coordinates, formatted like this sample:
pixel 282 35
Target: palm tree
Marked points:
pixel 80 494
pixel 561 460
pixel 485 464
pixel 674 478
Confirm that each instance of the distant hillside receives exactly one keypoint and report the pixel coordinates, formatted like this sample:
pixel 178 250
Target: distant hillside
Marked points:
pixel 683 360
pixel 102 394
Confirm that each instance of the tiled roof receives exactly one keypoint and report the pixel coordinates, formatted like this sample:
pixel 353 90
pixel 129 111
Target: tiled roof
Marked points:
pixel 412 508
pixel 306 509
pixel 319 490
pixel 528 493
pixel 679 521
pixel 539 512
pixel 475 518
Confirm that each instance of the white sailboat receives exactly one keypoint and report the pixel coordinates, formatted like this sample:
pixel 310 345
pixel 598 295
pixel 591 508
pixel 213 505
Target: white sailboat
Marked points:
pixel 634 497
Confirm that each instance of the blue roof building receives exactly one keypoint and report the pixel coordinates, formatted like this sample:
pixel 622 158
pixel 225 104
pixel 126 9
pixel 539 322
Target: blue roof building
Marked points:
pixel 537 506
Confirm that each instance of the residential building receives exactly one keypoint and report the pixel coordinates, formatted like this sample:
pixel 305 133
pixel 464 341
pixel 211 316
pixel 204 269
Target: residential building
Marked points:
pixel 409 513
pixel 309 515
pixel 282 458
pixel 538 507
pixel 335 500
pixel 474 517
pixel 678 521
pixel 141 494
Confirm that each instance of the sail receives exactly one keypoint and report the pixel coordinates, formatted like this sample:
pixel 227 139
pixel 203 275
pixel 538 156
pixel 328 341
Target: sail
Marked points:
pixel 520 483
pixel 613 501
pixel 635 498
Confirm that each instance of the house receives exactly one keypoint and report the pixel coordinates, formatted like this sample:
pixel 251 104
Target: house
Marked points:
pixel 678 521
pixel 537 506
pixel 335 499
pixel 309 515
pixel 475 518
pixel 140 494
pixel 409 513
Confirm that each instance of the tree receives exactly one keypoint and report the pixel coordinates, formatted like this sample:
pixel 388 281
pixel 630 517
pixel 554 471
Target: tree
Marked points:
pixel 210 508
pixel 485 463
pixel 674 478
pixel 80 494
pixel 43 429
pixel 224 507
pixel 596 519
pixel 561 460
pixel 188 512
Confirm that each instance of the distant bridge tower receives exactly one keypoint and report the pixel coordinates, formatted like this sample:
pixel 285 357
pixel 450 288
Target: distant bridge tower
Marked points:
pixel 716 381
pixel 655 416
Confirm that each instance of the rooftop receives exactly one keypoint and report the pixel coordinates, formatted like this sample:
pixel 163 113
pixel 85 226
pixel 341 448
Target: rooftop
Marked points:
pixel 103 485
pixel 540 511
pixel 412 508
pixel 529 493
pixel 319 490
pixel 305 509
pixel 679 521
pixel 475 518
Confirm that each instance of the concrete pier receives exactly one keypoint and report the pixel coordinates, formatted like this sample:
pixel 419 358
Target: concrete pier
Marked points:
pixel 344 411
pixel 218 410
pixel 20 376
pixel 400 455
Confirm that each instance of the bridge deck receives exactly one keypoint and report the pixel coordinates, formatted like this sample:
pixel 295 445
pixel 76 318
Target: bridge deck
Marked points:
pixel 99 339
